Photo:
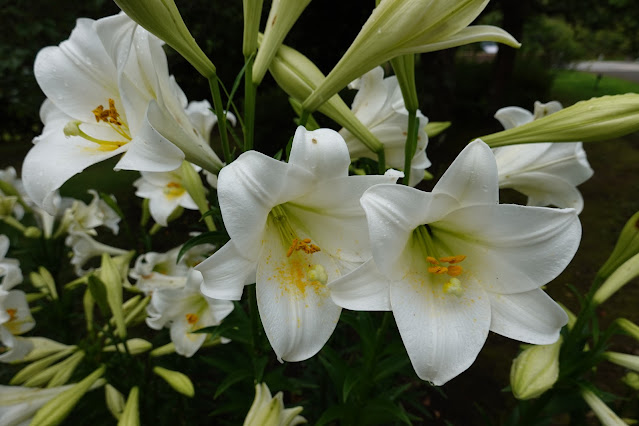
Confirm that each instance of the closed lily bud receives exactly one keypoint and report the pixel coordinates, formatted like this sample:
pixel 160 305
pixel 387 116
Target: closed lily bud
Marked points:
pixel 43 347
pixel 282 16
pixel 535 370
pixel 36 367
pixel 606 416
pixel 178 381
pixel 625 360
pixel 404 67
pixel 632 380
pixel 298 76
pixel 267 410
pixel 626 247
pixel 434 128
pixel 56 410
pixel 162 18
pixel 60 370
pixel 110 276
pixel 135 347
pixel 403 27
pixel 596 119
pixel 629 327
pixel 114 401
pixel 620 277
pixel 131 414
pixel 62 376
pixel 252 14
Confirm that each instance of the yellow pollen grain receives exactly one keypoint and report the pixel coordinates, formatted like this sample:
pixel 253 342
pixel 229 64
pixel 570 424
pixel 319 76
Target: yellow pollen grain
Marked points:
pixel 191 318
pixel 303 245
pixel 455 270
pixel 453 259
pixel 432 260
pixel 437 269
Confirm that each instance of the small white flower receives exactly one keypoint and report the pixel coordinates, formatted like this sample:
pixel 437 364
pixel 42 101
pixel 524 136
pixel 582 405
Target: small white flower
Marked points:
pixel 548 173
pixel 176 300
pixel 165 191
pixel 379 105
pixel 84 248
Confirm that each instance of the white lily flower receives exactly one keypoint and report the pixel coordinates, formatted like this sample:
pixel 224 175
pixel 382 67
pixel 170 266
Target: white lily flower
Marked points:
pixel 109 93
pixel 83 218
pixel 85 248
pixel 379 105
pixel 454 263
pixel 548 173
pixel 294 228
pixel 10 276
pixel 165 191
pixel 176 300
pixel 15 319
pixel 18 404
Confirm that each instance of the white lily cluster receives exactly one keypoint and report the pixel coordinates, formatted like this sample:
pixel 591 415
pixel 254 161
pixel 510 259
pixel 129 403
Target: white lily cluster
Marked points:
pixel 176 300
pixel 451 264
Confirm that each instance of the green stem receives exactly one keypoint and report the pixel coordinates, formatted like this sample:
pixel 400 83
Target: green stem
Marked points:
pixel 250 94
pixel 304 117
pixel 381 161
pixel 221 116
pixel 411 143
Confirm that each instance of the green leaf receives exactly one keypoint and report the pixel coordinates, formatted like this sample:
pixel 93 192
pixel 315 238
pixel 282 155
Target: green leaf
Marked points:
pixel 335 412
pixel 232 379
pixel 216 238
pixel 352 378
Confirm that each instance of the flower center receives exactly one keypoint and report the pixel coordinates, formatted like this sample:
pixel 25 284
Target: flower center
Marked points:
pixel 12 314
pixel 110 116
pixel 441 265
pixel 191 318
pixel 173 190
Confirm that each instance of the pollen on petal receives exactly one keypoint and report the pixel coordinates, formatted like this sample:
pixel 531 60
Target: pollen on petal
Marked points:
pixel 455 270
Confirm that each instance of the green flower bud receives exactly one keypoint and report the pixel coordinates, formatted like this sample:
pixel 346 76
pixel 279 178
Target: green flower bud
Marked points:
pixel 110 276
pixel 281 18
pixel 55 411
pixel 434 128
pixel 131 414
pixel 626 247
pixel 620 277
pixel 167 349
pixel 267 410
pixel 59 369
pixel 535 370
pixel 162 18
pixel 252 14
pixel 625 360
pixel 403 27
pixel 597 119
pixel 135 347
pixel 404 67
pixel 606 416
pixel 36 367
pixel 32 232
pixel 43 347
pixel 632 380
pixel 629 327
pixel 298 76
pixel 114 401
pixel 63 374
pixel 178 381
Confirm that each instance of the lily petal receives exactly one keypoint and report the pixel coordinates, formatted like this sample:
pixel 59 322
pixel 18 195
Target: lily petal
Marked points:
pixel 531 317
pixel 321 152
pixel 517 248
pixel 510 117
pixel 443 333
pixel 472 177
pixel 545 189
pixel 364 289
pixel 298 314
pixel 226 273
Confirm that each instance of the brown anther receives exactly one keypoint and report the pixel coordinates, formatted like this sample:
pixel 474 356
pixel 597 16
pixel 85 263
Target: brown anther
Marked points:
pixel 437 269
pixel 315 248
pixel 191 318
pixel 173 185
pixel 453 259
pixel 432 260
pixel 12 313
pixel 455 270
pixel 292 248
pixel 306 240
pixel 111 115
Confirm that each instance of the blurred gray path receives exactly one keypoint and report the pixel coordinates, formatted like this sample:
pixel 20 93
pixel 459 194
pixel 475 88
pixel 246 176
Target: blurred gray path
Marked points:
pixel 620 69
